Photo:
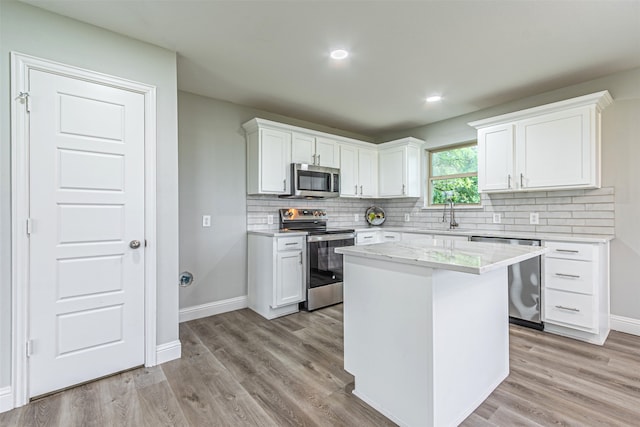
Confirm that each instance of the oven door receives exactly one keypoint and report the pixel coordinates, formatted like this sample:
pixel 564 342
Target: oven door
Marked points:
pixel 324 265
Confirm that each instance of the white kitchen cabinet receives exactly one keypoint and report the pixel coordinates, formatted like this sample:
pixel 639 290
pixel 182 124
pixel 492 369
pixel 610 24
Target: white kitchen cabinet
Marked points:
pixel 314 150
pixel 368 237
pixel 399 168
pixel 268 161
pixel 576 290
pixel 276 279
pixel 358 171
pixel 390 236
pixel 551 147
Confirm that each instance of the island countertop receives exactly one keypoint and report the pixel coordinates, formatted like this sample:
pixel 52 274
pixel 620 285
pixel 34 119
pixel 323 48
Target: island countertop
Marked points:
pixel 446 254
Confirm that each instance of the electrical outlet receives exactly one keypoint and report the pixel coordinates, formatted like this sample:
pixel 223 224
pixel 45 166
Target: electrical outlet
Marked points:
pixel 407 217
pixel 534 218
pixel 206 220
pixel 269 219
pixel 356 217
pixel 497 218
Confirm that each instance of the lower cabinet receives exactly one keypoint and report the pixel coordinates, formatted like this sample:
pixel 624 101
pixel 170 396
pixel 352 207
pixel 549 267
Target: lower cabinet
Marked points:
pixel 276 279
pixel 576 290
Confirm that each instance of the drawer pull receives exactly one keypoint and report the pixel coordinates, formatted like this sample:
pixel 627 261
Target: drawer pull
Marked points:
pixel 568 276
pixel 368 237
pixel 567 308
pixel 292 243
pixel 389 237
pixel 568 251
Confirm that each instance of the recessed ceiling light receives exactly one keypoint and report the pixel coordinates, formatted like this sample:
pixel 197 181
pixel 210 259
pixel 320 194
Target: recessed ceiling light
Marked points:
pixel 339 54
pixel 434 98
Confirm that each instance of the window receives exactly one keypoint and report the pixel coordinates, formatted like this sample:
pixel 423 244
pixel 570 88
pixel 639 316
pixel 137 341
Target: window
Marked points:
pixel 453 172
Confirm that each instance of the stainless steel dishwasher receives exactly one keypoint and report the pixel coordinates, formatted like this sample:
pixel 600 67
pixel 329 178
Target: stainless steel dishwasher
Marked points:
pixel 524 284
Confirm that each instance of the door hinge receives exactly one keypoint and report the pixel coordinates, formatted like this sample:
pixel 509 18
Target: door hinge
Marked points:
pixel 29 348
pixel 29 226
pixel 24 96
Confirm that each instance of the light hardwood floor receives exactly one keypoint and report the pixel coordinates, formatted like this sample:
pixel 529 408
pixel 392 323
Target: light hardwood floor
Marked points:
pixel 239 369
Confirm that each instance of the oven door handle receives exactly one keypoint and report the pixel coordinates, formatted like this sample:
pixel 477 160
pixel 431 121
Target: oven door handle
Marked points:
pixel 330 237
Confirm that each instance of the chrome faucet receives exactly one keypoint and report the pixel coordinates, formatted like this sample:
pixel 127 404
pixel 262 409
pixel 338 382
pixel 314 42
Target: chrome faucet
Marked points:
pixel 452 214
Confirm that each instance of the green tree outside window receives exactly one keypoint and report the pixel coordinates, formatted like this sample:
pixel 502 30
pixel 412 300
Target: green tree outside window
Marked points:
pixel 454 169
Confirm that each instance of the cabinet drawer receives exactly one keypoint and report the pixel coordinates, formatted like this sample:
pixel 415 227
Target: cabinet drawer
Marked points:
pixel 569 275
pixel 367 237
pixel 290 243
pixel 391 236
pixel 568 250
pixel 571 309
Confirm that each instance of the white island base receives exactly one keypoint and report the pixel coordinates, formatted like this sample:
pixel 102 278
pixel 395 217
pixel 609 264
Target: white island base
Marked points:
pixel 426 346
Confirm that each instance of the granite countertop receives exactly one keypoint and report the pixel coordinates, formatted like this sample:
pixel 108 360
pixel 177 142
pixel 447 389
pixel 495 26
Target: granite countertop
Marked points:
pixel 446 254
pixel 585 238
pixel 277 233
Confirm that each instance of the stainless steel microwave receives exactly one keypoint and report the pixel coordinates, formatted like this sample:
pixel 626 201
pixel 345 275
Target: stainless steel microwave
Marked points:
pixel 309 181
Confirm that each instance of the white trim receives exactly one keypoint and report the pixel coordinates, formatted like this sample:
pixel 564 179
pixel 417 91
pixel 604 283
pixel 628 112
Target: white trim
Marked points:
pixel 628 325
pixel 213 308
pixel 168 351
pixel 6 399
pixel 20 66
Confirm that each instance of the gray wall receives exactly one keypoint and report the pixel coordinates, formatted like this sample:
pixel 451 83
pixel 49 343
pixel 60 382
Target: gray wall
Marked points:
pixel 32 31
pixel 620 154
pixel 212 154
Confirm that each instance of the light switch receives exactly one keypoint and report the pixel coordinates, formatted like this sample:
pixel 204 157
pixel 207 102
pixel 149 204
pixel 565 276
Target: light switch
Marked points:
pixel 206 220
pixel 497 218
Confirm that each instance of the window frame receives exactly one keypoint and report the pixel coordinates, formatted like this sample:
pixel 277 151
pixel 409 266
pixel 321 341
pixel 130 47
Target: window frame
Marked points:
pixel 429 176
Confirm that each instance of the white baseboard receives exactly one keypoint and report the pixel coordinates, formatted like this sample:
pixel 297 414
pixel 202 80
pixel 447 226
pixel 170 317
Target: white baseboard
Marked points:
pixel 168 351
pixel 6 399
pixel 213 308
pixel 625 324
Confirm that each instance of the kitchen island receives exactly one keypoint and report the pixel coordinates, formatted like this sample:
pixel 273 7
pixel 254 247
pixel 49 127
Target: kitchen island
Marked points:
pixel 426 332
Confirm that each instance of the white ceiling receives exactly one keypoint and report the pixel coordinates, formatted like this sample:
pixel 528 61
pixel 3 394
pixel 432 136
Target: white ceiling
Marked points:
pixel 273 55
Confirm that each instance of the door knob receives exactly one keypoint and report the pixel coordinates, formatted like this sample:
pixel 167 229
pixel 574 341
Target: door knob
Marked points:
pixel 134 244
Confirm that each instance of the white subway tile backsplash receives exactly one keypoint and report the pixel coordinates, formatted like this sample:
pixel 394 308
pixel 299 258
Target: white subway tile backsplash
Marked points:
pixel 567 212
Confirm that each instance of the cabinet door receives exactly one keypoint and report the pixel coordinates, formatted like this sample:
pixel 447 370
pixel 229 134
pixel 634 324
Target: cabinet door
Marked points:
pixel 327 153
pixel 303 149
pixel 391 172
pixel 367 172
pixel 289 278
pixel 275 160
pixel 495 158
pixel 348 171
pixel 555 150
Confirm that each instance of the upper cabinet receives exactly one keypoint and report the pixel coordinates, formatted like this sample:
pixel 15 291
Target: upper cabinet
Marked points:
pixel 314 150
pixel 367 170
pixel 551 147
pixel 399 168
pixel 268 161
pixel 358 171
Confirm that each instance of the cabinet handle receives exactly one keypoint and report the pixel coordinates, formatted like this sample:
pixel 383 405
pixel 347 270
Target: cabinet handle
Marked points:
pixel 521 181
pixel 291 243
pixel 368 237
pixel 509 181
pixel 361 190
pixel 569 276
pixel 284 185
pixel 356 189
pixel 561 307
pixel 568 251
pixel 403 189
pixel 314 159
pixel 300 258
pixel 389 237
pixel 318 156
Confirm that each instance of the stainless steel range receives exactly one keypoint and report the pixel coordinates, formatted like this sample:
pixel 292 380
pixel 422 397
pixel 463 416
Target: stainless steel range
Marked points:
pixel 324 266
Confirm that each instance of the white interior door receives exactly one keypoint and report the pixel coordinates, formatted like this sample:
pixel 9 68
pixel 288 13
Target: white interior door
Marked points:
pixel 86 284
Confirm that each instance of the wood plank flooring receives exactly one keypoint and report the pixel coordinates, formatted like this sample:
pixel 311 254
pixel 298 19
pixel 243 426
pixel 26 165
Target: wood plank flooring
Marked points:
pixel 238 369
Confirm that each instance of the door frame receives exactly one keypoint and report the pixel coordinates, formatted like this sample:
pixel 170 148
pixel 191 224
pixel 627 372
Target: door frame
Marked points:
pixel 21 64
